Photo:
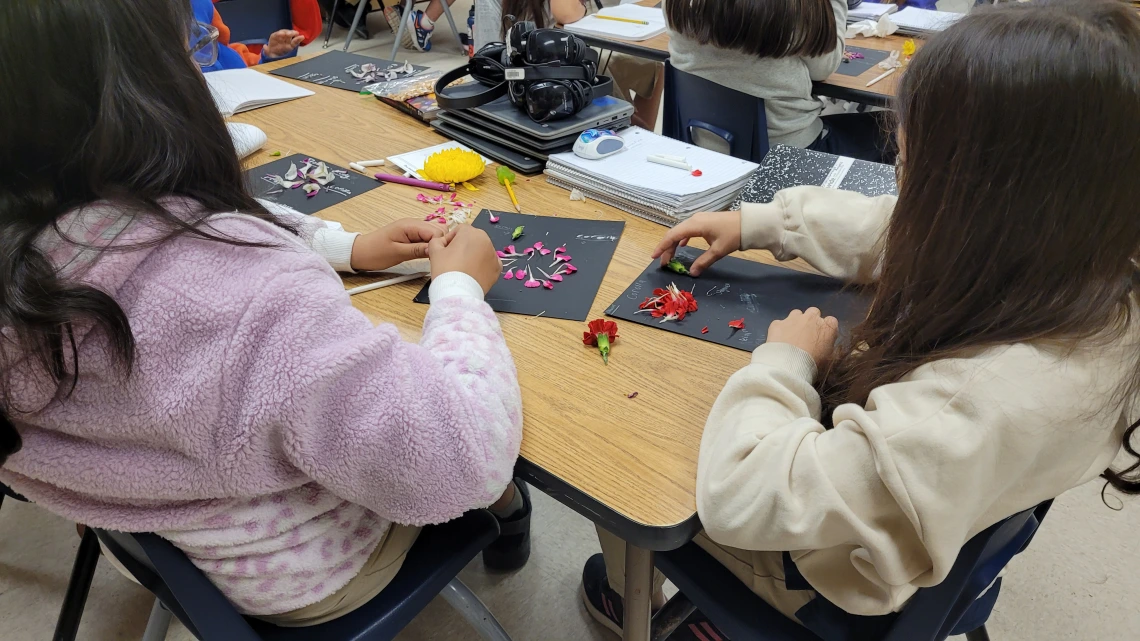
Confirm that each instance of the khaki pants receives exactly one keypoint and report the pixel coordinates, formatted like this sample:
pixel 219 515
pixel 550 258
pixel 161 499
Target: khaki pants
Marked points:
pixel 376 574
pixel 762 572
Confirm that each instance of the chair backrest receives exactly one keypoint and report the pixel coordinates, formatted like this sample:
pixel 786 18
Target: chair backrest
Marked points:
pixel 695 106
pixel 935 611
pixel 929 616
pixel 183 589
pixel 251 21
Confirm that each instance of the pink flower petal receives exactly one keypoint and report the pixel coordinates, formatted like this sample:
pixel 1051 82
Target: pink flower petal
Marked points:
pixel 520 274
pixel 570 269
pixel 454 196
pixel 430 217
pixel 544 251
pixel 441 220
pixel 556 278
pixel 565 257
pixel 532 283
pixel 547 284
pixel 494 219
pixel 528 251
pixel 510 249
pixel 438 198
pixel 509 275
pixel 560 249
pixel 422 198
pixel 538 245
pixel 441 210
pixel 500 254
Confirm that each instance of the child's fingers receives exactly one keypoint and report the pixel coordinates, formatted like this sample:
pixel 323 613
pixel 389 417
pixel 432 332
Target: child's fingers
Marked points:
pixel 705 261
pixel 670 240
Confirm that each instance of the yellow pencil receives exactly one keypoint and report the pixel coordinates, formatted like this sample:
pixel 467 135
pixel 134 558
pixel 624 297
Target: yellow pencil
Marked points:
pixel 617 19
pixel 511 193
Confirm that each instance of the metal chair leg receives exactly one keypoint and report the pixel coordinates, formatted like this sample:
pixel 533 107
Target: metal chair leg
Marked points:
pixel 472 609
pixel 82 571
pixel 978 635
pixel 450 19
pixel 670 617
pixel 159 622
pixel 332 20
pixel 355 21
pixel 409 7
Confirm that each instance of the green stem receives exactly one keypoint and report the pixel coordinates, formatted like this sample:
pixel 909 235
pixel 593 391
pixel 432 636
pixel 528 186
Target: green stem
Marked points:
pixel 604 347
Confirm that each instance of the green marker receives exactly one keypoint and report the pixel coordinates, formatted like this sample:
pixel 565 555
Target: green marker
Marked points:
pixel 517 233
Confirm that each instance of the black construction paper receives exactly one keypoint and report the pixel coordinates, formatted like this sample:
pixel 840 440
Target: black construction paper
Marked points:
pixel 332 69
pixel 871 57
pixel 735 288
pixel 590 243
pixel 346 185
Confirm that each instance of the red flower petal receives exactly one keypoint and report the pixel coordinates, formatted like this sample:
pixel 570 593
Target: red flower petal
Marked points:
pixel 736 324
pixel 705 329
pixel 698 173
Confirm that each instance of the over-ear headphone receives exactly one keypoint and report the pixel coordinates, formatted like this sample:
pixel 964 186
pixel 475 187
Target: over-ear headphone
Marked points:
pixel 549 73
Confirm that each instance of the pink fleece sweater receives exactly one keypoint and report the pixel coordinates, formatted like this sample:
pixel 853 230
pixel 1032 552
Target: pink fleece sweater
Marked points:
pixel 268 429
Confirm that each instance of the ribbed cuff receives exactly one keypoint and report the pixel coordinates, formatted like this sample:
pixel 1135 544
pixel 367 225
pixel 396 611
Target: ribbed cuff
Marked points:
pixel 454 284
pixel 335 246
pixel 787 357
pixel 762 226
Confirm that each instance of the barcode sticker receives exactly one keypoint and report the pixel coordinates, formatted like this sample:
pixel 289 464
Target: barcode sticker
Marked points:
pixel 838 172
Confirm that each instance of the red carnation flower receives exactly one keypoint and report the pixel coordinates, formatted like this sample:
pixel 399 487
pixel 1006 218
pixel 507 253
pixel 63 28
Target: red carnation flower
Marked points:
pixel 601 334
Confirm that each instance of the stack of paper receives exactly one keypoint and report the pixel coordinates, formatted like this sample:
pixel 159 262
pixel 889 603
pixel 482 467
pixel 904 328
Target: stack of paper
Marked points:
pixel 913 21
pixel 238 90
pixel 636 23
pixel 661 193
pixel 869 11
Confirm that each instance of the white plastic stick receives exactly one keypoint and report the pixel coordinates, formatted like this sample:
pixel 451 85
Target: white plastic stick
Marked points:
pixel 385 283
pixel 881 76
pixel 370 163
pixel 668 162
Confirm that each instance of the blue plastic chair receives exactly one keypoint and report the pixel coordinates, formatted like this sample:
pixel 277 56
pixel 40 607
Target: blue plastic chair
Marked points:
pixel 251 21
pixel 959 605
pixel 693 104
pixel 430 569
pixel 78 586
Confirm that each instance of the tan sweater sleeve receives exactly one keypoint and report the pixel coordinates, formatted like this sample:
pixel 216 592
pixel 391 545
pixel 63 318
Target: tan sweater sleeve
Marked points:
pixel 840 233
pixel 881 504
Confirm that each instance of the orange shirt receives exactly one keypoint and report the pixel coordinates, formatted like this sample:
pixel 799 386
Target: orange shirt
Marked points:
pixel 306 21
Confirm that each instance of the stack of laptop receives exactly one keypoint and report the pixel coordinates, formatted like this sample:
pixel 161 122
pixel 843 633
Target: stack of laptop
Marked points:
pixel 501 131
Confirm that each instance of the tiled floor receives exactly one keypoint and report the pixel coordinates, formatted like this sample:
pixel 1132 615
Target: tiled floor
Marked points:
pixel 1079 580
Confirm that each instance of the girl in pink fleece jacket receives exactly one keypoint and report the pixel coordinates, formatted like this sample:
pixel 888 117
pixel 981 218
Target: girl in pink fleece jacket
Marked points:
pixel 177 357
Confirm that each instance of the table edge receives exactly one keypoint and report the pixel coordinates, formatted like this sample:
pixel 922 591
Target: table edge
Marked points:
pixel 650 537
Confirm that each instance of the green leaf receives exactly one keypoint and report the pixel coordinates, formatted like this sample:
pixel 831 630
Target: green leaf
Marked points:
pixel 505 174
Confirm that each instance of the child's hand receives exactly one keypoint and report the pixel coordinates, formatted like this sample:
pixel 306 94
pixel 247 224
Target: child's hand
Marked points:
pixel 468 250
pixel 282 42
pixel 720 229
pixel 808 331
pixel 405 239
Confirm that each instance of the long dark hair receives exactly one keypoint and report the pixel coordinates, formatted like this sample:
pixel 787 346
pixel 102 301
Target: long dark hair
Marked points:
pixel 519 10
pixel 763 28
pixel 100 102
pixel 1017 212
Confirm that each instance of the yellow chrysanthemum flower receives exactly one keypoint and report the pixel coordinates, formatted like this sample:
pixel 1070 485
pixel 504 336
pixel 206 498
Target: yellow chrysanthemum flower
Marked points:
pixel 453 166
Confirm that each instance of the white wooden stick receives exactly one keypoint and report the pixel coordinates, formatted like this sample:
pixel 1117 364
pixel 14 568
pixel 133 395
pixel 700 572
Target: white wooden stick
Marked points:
pixel 385 283
pixel 881 76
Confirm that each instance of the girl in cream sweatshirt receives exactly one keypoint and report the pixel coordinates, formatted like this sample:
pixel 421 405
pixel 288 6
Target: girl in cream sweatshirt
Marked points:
pixel 997 366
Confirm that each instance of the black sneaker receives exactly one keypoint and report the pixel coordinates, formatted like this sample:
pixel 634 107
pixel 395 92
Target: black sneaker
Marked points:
pixel 602 602
pixel 511 550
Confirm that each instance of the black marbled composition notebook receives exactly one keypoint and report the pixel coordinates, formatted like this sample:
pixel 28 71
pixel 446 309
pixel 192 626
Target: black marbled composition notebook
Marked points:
pixel 786 167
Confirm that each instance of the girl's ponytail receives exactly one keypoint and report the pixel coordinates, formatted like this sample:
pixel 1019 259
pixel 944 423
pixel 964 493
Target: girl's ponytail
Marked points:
pixel 1127 480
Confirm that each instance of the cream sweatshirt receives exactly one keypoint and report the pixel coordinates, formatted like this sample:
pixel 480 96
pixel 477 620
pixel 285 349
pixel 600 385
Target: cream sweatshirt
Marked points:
pixel 879 506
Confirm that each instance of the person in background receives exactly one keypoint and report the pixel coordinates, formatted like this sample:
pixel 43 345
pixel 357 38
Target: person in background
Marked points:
pixel 638 81
pixel 421 25
pixel 999 364
pixel 282 43
pixel 181 358
pixel 775 49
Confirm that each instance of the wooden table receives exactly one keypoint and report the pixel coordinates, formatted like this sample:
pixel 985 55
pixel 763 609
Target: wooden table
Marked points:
pixel 627 464
pixel 837 85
